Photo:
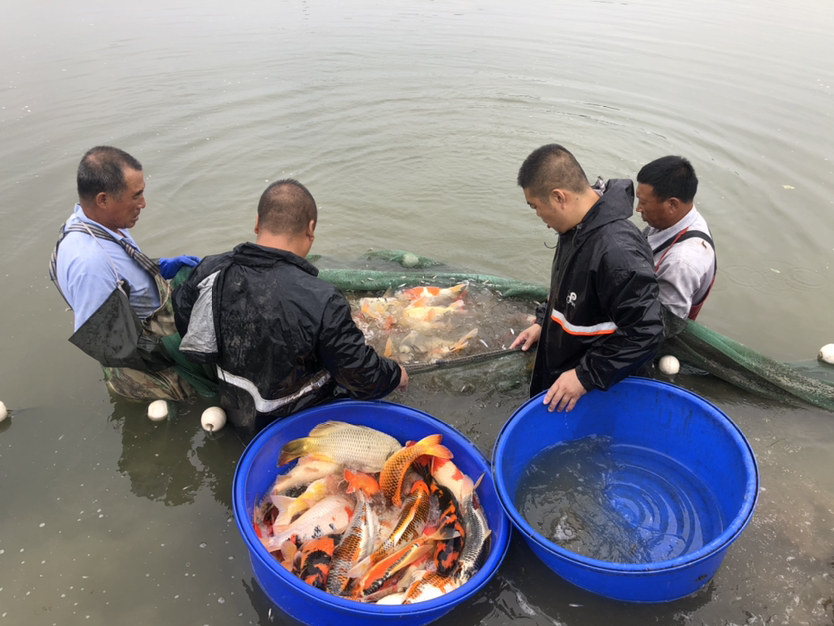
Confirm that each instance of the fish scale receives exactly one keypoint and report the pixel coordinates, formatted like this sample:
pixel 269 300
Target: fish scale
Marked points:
pixel 357 447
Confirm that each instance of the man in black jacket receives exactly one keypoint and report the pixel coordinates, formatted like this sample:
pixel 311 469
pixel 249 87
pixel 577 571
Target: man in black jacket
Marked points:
pixel 602 320
pixel 281 338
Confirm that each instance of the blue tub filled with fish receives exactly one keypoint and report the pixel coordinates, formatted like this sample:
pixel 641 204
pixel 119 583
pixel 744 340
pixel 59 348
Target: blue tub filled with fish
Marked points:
pixel 635 495
pixel 346 524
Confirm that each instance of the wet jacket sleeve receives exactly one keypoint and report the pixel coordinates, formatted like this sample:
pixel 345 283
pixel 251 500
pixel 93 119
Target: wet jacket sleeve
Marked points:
pixel 352 363
pixel 629 293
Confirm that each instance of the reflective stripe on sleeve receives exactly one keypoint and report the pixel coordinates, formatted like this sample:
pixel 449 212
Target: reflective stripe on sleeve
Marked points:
pixel 262 405
pixel 605 328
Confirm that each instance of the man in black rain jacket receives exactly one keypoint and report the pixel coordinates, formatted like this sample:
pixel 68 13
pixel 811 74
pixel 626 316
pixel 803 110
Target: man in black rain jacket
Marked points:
pixel 281 338
pixel 602 320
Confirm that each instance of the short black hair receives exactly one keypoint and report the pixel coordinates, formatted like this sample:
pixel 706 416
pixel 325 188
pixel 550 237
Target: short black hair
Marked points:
pixel 670 177
pixel 102 170
pixel 550 167
pixel 286 207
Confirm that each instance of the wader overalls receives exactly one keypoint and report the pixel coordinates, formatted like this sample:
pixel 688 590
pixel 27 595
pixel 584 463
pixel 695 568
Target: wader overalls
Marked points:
pixel 136 364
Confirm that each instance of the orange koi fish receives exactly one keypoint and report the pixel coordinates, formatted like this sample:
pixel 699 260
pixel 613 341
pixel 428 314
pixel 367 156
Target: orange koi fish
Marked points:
pixel 361 481
pixel 357 544
pixel 381 572
pixel 396 467
pixel 411 522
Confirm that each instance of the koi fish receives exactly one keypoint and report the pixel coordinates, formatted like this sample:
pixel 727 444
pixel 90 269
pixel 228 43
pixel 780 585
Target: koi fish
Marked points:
pixel 428 314
pixel 447 551
pixel 316 557
pixel 361 481
pixel 396 467
pixel 429 586
pixel 411 522
pixel 358 447
pixel 436 295
pixel 328 516
pixel 434 347
pixel 477 533
pixel 356 545
pixel 291 507
pixel 379 573
pixel 305 472
pixel 447 474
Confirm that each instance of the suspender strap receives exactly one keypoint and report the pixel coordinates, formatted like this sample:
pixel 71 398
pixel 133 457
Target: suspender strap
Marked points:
pixel 98 232
pixel 685 234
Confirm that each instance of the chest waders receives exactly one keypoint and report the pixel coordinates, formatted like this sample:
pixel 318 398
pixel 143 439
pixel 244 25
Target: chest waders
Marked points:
pixel 135 361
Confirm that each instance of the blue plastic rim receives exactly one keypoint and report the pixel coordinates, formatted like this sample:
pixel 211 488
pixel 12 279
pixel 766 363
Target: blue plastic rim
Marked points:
pixel 650 414
pixel 256 472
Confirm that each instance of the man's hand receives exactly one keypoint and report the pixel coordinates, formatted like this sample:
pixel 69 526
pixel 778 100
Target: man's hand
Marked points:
pixel 403 380
pixel 564 393
pixel 528 337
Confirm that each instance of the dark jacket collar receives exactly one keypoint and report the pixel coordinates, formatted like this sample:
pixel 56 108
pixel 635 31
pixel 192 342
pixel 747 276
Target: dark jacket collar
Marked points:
pixel 260 256
pixel 616 203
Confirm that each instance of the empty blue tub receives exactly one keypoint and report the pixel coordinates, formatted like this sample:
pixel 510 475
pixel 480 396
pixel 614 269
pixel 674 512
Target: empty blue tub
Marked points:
pixel 644 414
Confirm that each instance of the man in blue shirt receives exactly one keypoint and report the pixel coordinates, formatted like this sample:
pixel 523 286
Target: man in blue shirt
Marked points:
pixel 120 297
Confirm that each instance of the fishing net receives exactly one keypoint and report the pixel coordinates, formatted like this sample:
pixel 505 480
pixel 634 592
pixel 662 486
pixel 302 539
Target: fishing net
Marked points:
pixel 693 344
pixel 487 359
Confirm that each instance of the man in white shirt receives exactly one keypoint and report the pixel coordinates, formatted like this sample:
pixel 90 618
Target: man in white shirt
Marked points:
pixel 681 243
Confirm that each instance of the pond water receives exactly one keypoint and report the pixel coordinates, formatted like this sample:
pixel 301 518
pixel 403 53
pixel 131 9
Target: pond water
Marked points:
pixel 408 122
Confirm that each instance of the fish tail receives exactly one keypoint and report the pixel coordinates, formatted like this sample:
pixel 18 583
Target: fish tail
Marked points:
pixel 293 450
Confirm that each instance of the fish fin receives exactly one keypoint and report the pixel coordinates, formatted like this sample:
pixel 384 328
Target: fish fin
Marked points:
pixel 389 348
pixel 284 505
pixel 293 450
pixel 360 568
pixel 325 428
pixel 439 451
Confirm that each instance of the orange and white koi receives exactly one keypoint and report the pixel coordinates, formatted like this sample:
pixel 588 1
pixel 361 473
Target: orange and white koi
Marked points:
pixel 447 474
pixel 328 516
pixel 436 295
pixel 357 447
pixel 428 586
pixel 411 522
pixel 357 544
pixel 396 467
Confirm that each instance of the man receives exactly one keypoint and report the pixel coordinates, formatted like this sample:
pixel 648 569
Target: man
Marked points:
pixel 602 319
pixel 120 297
pixel 684 254
pixel 282 339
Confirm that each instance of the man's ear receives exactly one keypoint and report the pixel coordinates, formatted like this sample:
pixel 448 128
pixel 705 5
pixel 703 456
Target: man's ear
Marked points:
pixel 257 223
pixel 101 200
pixel 311 229
pixel 674 204
pixel 558 196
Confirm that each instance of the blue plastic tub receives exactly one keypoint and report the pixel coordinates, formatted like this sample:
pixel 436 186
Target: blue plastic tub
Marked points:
pixel 663 419
pixel 256 473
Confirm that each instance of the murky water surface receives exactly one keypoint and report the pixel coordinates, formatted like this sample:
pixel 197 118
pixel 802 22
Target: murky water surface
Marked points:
pixel 408 121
